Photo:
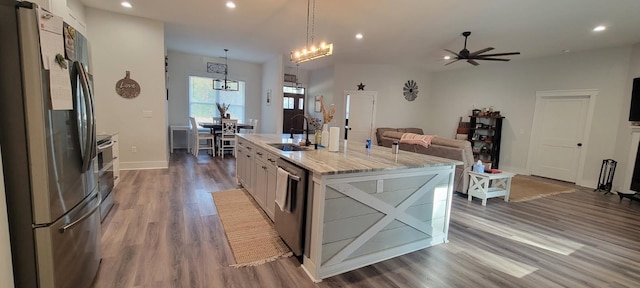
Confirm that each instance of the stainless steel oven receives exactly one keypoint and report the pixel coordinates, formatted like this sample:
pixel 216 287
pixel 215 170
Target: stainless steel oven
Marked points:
pixel 105 174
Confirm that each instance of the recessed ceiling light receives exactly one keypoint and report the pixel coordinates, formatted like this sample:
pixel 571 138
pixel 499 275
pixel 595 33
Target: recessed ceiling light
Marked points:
pixel 359 36
pixel 599 28
pixel 126 4
pixel 566 50
pixel 447 57
pixel 231 5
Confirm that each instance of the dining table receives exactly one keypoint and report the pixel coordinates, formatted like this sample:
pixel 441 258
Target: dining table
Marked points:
pixel 218 126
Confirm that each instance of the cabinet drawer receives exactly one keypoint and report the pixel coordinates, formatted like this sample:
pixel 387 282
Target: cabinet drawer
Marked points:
pixel 261 154
pixel 249 149
pixel 271 159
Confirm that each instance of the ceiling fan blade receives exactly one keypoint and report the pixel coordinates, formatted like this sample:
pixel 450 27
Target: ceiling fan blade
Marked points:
pixel 481 51
pixel 454 61
pixel 499 54
pixel 473 62
pixel 454 53
pixel 492 59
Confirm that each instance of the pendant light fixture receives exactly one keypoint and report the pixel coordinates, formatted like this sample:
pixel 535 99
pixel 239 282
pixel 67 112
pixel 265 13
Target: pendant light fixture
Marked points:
pixel 225 84
pixel 311 51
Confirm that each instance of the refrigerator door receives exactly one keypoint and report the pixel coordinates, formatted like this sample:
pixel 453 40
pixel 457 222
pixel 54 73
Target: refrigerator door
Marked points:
pixel 68 251
pixel 56 155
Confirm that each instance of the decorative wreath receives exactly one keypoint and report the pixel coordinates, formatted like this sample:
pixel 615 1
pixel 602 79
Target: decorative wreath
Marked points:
pixel 410 90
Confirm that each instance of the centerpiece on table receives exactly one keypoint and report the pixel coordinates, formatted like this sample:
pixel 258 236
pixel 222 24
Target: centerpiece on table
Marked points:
pixel 222 108
pixel 327 116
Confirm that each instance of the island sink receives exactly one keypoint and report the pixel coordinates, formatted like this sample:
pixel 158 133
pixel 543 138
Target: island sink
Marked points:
pixel 288 147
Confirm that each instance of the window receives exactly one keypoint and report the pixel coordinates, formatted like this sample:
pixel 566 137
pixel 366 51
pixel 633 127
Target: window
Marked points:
pixel 287 102
pixel 202 100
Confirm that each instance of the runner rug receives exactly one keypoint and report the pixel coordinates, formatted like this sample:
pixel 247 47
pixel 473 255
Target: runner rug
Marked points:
pixel 250 233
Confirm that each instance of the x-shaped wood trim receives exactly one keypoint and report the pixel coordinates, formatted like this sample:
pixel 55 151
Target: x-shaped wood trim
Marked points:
pixel 391 212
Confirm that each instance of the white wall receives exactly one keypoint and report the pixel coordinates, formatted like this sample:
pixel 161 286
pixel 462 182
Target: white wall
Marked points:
pixel 183 65
pixel 321 82
pixel 510 88
pixel 72 11
pixel 623 139
pixel 272 82
pixel 123 43
pixel 392 110
pixel 6 268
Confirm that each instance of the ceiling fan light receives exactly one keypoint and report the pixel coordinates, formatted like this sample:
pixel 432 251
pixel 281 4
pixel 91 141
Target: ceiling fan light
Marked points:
pixel 447 57
pixel 599 28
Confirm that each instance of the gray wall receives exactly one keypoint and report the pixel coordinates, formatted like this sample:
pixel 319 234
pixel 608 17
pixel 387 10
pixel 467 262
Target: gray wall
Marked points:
pixel 183 65
pixel 511 88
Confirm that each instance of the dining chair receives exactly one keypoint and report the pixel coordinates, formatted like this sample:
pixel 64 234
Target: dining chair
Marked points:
pixel 227 139
pixel 254 123
pixel 197 136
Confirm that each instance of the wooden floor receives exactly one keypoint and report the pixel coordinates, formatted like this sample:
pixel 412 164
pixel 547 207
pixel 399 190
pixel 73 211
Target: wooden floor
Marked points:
pixel 164 232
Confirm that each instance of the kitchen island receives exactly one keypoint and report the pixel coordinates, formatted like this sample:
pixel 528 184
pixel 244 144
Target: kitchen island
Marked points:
pixel 363 206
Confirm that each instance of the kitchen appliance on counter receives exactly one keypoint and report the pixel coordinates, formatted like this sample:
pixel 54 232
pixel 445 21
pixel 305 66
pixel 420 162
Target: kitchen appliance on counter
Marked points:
pixel 105 173
pixel 291 226
pixel 49 156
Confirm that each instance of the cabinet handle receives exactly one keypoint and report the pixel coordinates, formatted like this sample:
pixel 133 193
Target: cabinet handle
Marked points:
pixel 260 154
pixel 271 160
pixel 264 167
pixel 248 156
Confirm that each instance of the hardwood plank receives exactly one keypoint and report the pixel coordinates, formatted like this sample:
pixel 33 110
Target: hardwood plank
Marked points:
pixel 164 231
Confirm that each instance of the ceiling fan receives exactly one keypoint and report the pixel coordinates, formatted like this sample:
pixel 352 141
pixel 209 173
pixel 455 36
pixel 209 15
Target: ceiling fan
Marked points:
pixel 477 55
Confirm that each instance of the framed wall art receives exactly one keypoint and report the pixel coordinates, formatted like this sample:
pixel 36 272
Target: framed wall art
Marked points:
pixel 216 68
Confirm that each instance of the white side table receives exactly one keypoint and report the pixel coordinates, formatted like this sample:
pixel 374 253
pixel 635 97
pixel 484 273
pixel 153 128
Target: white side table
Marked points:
pixel 187 130
pixel 489 185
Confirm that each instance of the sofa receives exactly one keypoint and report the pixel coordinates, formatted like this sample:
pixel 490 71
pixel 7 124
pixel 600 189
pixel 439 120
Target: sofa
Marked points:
pixel 441 147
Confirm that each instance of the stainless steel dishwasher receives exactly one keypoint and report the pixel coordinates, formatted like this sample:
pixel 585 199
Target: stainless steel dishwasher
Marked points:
pixel 291 226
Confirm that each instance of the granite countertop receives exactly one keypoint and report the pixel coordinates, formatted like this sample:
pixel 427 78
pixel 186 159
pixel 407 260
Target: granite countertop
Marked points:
pixel 350 160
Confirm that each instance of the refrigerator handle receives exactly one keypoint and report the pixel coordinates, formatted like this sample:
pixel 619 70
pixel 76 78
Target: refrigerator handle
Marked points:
pixel 89 141
pixel 83 217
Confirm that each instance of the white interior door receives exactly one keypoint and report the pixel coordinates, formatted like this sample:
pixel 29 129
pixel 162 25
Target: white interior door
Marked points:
pixel 360 115
pixel 559 135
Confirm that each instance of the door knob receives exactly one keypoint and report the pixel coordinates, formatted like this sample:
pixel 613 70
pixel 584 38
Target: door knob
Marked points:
pixel 579 144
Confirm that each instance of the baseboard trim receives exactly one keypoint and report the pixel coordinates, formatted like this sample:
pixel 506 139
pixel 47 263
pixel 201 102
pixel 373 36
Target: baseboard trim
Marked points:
pixel 144 165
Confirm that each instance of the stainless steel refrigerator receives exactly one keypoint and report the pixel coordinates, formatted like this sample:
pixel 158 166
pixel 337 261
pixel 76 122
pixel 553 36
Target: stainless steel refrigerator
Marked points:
pixel 48 158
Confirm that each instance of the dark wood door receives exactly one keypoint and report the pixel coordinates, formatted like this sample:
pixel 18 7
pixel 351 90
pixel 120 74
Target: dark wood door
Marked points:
pixel 293 105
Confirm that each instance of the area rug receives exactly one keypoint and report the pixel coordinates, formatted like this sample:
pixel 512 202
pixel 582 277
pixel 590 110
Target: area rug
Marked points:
pixel 524 189
pixel 252 237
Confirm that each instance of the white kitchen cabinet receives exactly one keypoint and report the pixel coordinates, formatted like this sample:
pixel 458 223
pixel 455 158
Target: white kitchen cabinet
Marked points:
pixel 260 171
pixel 266 181
pixel 245 165
pixel 270 203
pixel 240 155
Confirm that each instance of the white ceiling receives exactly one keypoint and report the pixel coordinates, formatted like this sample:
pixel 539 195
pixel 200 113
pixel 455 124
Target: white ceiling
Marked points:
pixel 401 32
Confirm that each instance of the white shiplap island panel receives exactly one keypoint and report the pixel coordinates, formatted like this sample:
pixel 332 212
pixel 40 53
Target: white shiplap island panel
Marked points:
pixel 366 207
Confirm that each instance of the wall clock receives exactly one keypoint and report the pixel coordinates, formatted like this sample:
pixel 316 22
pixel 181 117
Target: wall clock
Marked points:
pixel 216 67
pixel 410 90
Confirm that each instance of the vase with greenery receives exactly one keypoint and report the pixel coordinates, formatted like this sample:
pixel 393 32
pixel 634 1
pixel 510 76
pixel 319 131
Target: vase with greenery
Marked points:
pixel 223 108
pixel 327 115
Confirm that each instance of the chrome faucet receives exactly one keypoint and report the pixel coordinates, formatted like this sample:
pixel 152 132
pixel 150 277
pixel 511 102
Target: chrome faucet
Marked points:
pixel 306 121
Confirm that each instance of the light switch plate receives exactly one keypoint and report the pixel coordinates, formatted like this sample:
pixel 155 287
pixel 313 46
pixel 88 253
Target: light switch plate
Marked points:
pixel 147 113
